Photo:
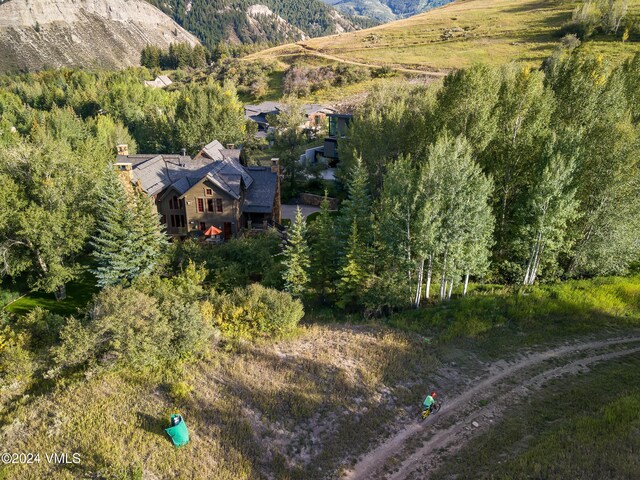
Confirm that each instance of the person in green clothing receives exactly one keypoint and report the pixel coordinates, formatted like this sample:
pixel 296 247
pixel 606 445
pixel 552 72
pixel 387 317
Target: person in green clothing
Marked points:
pixel 430 402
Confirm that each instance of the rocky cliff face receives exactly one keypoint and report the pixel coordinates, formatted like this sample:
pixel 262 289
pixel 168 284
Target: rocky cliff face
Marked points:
pixel 35 34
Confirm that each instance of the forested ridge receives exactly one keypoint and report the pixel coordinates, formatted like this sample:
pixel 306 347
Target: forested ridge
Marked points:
pixel 222 21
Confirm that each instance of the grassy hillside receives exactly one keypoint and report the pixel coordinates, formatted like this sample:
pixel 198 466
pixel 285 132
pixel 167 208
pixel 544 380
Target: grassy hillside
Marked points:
pixel 300 408
pixel 267 409
pixel 457 35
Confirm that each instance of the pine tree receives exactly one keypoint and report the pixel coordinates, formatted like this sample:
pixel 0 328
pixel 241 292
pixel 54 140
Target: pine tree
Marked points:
pixel 151 240
pixel 324 258
pixel 357 207
pixel 113 242
pixel 296 257
pixel 354 274
pixel 129 239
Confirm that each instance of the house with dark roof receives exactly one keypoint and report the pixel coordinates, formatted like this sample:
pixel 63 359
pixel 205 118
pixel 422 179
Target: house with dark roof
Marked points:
pixel 314 115
pixel 211 189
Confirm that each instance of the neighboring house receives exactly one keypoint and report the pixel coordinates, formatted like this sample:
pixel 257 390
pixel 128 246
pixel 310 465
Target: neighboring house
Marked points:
pixel 338 127
pixel 328 152
pixel 161 81
pixel 211 189
pixel 258 113
pixel 315 115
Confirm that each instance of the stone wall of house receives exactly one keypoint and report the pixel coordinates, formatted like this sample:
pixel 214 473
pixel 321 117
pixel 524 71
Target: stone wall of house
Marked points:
pixel 316 200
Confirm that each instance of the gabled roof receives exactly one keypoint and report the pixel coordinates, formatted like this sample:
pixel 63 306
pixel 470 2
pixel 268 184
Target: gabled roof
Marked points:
pixel 213 150
pixel 163 174
pixel 159 82
pixel 260 198
pixel 313 108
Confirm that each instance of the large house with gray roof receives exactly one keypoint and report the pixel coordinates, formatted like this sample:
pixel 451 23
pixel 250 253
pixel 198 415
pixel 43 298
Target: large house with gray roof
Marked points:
pixel 211 189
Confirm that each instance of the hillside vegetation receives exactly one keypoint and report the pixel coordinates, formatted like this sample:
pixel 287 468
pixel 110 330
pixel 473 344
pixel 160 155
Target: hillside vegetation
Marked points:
pixel 302 407
pixel 459 34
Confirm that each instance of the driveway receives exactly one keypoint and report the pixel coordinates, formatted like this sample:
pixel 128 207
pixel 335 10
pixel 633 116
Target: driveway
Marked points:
pixel 289 211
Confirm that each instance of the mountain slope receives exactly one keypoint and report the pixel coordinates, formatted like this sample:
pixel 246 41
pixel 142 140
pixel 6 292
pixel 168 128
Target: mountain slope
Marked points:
pixel 90 33
pixel 460 34
pixel 258 21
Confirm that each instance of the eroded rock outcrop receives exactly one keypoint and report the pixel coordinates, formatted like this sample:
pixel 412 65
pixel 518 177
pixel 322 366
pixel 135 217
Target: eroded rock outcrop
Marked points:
pixel 35 34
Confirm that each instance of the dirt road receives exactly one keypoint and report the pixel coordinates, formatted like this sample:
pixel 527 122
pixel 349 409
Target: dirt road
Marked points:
pixel 419 448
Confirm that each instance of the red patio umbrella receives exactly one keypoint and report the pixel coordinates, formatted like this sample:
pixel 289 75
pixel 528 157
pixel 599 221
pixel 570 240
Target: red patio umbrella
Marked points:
pixel 212 231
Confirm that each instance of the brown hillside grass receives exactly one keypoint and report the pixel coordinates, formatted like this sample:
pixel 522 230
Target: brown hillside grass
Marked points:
pixel 457 35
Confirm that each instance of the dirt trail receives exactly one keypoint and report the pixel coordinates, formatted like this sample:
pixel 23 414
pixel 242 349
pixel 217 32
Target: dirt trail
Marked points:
pixel 407 452
pixel 312 51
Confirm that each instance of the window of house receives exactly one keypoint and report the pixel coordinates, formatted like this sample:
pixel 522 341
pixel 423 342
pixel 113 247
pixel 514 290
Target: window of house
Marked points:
pixel 208 192
pixel 203 227
pixel 176 203
pixel 219 205
pixel 209 204
pixel 201 205
pixel 178 221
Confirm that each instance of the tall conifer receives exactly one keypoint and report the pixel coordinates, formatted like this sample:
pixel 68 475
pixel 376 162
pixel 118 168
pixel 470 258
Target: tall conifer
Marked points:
pixel 296 257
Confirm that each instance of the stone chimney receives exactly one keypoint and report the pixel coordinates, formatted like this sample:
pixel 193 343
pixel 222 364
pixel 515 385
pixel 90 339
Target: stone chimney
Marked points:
pixel 275 165
pixel 123 149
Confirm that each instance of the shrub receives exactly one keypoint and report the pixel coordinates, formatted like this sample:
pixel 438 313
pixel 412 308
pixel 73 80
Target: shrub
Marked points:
pixel 42 326
pixel 122 326
pixel 384 72
pixel 179 300
pixel 15 359
pixel 256 311
pixel 300 80
pixel 238 262
pixel 180 391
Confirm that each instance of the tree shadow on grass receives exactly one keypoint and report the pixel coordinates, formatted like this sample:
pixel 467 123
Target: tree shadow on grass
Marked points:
pixel 153 424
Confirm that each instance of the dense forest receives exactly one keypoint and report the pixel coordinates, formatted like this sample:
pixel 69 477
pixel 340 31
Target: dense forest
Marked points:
pixel 218 23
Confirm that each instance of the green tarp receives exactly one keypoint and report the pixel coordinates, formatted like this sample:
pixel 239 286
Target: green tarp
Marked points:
pixel 178 432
